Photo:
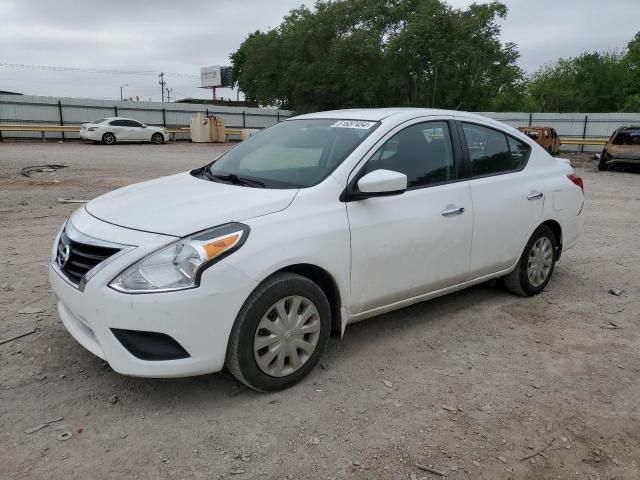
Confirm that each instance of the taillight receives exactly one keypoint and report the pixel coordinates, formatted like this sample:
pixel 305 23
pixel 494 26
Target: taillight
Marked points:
pixel 577 180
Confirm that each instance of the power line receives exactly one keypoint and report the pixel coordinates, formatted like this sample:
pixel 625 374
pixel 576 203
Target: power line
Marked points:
pixel 101 71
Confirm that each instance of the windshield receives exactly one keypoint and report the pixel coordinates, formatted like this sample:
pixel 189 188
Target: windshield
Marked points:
pixel 100 121
pixel 628 137
pixel 291 154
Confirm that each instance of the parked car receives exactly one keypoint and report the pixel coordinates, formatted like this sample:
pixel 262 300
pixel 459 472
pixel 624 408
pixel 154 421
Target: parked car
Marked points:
pixel 623 148
pixel 546 137
pixel 118 129
pixel 315 223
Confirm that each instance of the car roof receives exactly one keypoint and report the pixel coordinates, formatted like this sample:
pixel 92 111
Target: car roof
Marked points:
pixel 378 114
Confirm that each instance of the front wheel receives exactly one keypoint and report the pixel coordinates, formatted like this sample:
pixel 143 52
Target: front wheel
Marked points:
pixel 280 333
pixel 157 138
pixel 536 264
pixel 108 138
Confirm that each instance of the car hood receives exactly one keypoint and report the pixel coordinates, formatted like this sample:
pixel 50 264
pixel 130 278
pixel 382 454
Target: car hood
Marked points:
pixel 182 204
pixel 626 152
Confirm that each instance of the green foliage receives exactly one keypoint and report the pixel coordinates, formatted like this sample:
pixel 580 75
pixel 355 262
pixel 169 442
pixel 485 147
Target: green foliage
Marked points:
pixel 424 53
pixel 591 82
pixel 375 53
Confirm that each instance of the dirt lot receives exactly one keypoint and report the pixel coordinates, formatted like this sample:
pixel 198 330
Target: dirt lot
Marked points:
pixel 480 379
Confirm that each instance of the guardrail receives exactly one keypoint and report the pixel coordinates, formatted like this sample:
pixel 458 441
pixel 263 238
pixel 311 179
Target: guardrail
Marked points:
pixel 44 128
pixel 583 141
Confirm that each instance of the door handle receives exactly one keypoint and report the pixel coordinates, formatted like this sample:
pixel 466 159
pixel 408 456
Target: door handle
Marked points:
pixel 452 210
pixel 535 196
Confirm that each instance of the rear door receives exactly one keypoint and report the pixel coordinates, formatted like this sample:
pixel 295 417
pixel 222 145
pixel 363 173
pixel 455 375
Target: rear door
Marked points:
pixel 118 128
pixel 508 198
pixel 406 245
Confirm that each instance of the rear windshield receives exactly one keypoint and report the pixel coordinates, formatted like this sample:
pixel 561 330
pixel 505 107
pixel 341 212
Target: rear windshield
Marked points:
pixel 628 137
pixel 293 154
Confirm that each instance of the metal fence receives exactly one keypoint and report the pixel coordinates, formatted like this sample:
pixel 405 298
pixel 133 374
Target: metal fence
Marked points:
pixel 25 109
pixel 571 125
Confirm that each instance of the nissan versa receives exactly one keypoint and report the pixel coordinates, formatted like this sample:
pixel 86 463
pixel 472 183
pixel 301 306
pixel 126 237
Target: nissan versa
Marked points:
pixel 315 223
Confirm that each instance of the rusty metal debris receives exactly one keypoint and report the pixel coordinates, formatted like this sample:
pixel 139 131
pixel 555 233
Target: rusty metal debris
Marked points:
pixel 27 171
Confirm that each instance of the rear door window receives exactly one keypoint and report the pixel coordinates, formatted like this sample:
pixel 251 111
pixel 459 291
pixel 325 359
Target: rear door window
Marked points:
pixel 492 152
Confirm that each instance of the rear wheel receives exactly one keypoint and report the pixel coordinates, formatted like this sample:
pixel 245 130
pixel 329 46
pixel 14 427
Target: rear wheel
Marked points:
pixel 536 264
pixel 157 138
pixel 280 333
pixel 108 138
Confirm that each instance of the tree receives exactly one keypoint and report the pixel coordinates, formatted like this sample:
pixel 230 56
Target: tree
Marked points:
pixel 375 53
pixel 590 82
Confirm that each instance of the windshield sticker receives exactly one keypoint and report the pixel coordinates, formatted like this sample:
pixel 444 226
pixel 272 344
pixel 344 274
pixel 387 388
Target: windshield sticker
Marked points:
pixel 359 124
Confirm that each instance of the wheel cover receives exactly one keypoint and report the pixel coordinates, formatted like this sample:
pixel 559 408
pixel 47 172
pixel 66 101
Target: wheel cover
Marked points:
pixel 157 138
pixel 286 336
pixel 109 138
pixel 540 261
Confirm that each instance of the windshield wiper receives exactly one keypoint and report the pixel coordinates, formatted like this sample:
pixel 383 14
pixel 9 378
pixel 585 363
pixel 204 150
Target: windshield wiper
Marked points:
pixel 236 180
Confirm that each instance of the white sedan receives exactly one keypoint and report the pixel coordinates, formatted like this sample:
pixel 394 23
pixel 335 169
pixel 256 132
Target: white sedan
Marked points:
pixel 318 222
pixel 117 129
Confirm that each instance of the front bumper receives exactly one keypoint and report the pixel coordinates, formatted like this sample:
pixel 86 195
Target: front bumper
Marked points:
pixel 199 320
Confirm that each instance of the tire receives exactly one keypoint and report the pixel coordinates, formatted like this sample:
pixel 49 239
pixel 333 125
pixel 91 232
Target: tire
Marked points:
pixel 108 138
pixel 256 335
pixel 541 244
pixel 602 166
pixel 157 138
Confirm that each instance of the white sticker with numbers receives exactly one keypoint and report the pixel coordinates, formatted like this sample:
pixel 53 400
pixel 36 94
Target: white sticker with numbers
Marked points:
pixel 359 124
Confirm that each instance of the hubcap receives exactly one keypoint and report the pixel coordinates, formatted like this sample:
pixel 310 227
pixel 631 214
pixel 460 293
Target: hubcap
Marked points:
pixel 287 336
pixel 540 261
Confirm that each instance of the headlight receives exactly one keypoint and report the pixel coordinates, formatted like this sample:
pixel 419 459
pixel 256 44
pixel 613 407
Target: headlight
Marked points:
pixel 180 265
pixel 93 129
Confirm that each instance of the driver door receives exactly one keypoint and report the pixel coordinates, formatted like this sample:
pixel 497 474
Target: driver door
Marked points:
pixel 135 131
pixel 410 244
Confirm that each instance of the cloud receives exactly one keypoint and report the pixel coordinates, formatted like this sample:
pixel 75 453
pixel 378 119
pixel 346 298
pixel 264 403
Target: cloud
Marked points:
pixel 170 36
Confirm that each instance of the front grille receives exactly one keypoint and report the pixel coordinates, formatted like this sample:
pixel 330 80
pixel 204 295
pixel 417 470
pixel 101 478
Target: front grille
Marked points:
pixel 76 259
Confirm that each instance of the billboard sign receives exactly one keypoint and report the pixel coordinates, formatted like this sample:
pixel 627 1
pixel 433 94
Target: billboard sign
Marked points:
pixel 210 77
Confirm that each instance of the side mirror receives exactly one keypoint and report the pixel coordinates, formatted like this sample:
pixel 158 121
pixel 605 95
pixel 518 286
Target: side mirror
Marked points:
pixel 382 182
pixel 144 126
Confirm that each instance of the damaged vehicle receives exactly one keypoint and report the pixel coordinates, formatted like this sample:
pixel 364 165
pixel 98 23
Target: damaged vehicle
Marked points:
pixel 623 148
pixel 546 137
pixel 249 263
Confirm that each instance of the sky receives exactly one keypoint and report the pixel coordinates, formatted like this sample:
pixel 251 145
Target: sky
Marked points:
pixel 129 37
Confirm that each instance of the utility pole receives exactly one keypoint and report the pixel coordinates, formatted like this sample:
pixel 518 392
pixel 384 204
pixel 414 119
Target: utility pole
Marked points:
pixel 162 84
pixel 121 87
pixel 169 90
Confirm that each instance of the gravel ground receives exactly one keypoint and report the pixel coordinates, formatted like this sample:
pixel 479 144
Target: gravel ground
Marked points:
pixel 471 384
